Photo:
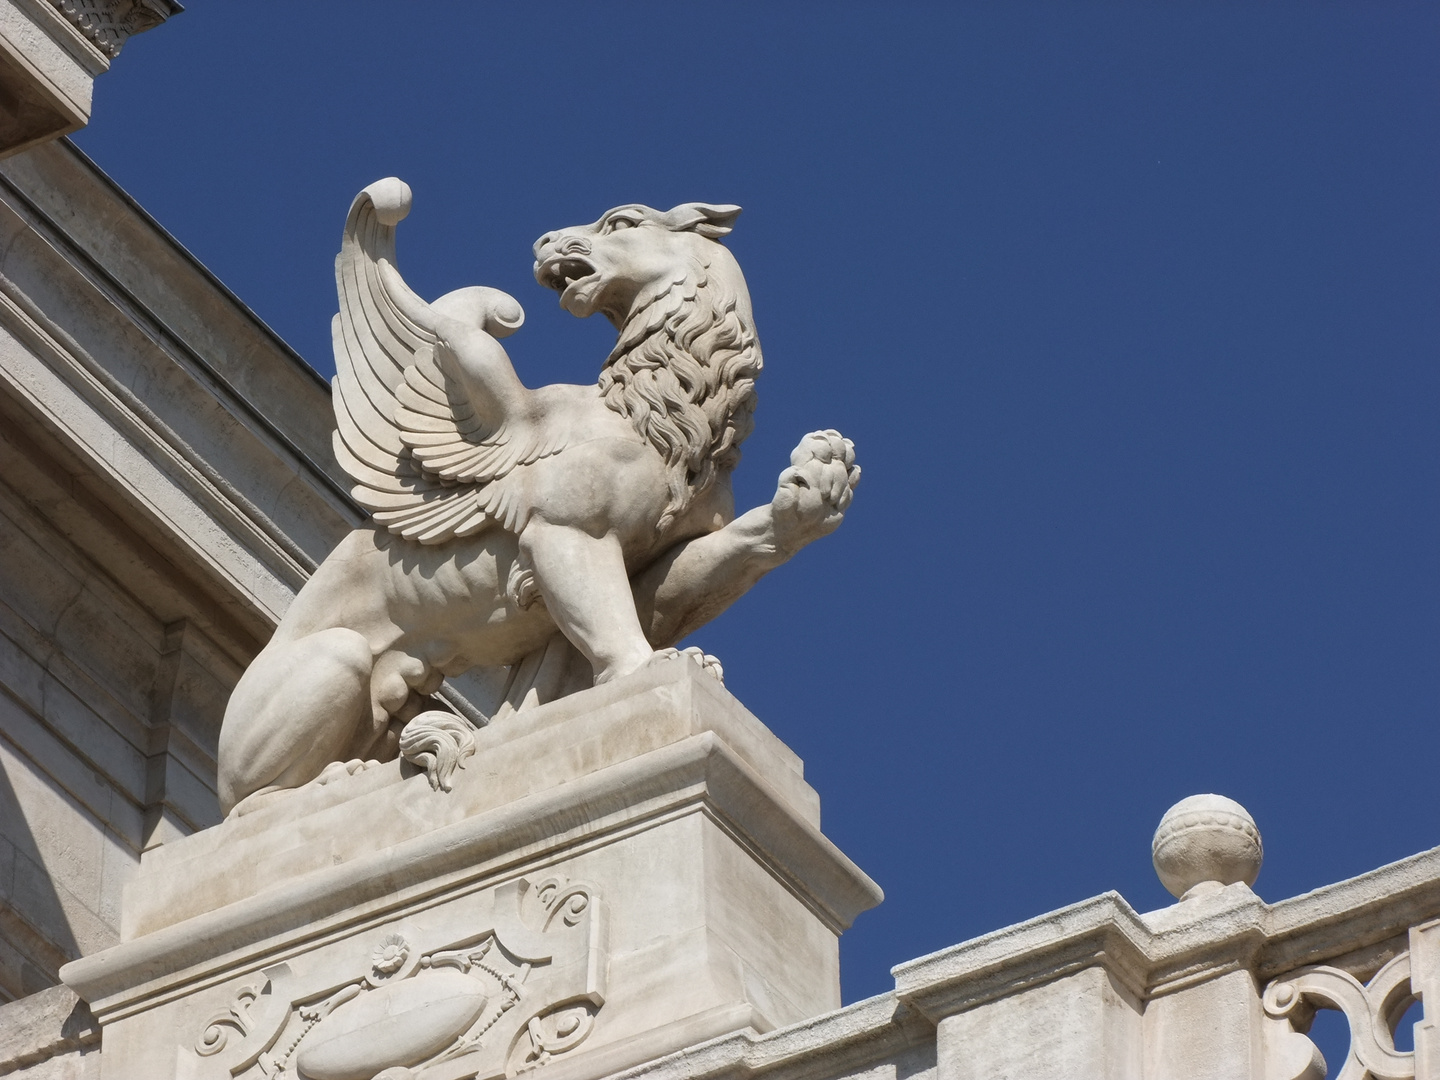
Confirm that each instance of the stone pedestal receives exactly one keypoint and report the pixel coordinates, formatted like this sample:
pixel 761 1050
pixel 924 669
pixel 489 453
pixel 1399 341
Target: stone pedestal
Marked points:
pixel 617 875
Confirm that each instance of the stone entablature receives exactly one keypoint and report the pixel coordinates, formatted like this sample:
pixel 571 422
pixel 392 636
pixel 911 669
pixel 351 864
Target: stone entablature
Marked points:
pixel 51 52
pixel 111 23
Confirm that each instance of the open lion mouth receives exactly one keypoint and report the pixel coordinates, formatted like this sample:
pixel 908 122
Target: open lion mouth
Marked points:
pixel 575 279
pixel 560 274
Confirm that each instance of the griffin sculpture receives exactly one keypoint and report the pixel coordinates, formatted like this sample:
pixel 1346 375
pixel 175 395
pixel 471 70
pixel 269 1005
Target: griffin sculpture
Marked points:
pixel 503 514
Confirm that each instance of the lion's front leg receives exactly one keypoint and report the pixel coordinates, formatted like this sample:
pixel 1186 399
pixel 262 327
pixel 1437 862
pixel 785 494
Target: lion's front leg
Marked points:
pixel 696 580
pixel 587 592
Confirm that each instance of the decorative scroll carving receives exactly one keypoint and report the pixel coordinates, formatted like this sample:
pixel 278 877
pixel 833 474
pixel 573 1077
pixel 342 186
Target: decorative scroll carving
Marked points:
pixel 1373 1011
pixel 547 1036
pixel 248 1011
pixel 523 989
pixel 562 901
pixel 108 24
pixel 216 1034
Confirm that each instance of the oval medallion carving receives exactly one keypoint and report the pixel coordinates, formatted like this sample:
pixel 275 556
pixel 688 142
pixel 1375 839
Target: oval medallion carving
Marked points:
pixel 400 1024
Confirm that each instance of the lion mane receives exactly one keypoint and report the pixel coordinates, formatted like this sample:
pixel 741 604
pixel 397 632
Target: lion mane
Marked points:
pixel 683 372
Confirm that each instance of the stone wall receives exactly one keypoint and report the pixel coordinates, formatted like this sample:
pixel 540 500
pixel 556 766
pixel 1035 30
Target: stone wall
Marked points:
pixel 165 487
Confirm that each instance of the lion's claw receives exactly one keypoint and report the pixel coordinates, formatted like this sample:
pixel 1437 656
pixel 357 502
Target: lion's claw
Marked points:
pixel 707 663
pixel 336 769
pixel 824 446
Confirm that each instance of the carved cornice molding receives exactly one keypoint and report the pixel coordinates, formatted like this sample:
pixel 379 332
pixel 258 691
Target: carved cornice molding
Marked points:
pixel 108 24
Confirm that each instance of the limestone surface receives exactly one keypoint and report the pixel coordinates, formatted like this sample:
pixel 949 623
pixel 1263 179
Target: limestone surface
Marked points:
pixel 612 877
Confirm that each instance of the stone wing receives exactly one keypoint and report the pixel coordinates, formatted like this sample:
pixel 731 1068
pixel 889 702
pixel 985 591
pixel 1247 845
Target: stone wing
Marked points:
pixel 427 447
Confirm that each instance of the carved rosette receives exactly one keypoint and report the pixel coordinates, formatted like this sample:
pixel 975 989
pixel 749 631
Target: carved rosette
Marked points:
pixel 521 990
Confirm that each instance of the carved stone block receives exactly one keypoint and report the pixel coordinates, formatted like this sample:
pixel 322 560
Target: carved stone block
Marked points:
pixel 613 876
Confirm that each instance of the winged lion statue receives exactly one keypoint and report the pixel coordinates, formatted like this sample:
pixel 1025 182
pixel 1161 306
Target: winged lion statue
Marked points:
pixel 571 533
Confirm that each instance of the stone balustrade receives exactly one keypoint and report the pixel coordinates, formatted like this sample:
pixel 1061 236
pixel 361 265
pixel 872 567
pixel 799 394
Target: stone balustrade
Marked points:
pixel 1220 985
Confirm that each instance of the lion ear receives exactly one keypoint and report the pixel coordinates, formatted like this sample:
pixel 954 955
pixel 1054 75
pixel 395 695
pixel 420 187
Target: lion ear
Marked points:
pixel 711 222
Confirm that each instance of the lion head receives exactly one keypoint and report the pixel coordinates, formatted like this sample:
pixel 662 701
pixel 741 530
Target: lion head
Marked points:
pixel 683 368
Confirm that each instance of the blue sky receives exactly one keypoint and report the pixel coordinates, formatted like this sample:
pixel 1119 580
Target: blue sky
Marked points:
pixel 1131 310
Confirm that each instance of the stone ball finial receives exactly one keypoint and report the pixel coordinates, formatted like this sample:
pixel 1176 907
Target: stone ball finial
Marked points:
pixel 1204 843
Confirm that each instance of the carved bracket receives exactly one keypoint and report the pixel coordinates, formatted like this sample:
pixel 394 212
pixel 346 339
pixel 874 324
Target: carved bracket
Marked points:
pixel 110 23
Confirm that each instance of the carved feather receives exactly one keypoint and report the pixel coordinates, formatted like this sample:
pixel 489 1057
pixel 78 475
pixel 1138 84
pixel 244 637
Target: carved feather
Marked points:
pixel 428 461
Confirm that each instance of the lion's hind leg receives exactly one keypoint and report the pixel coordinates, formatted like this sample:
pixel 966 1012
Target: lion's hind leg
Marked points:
pixel 296 709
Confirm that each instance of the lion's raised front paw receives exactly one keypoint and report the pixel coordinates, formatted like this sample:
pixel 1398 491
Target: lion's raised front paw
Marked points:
pixel 702 659
pixel 815 491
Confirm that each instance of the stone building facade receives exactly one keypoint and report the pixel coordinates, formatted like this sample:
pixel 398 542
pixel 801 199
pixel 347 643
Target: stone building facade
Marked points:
pixel 661 905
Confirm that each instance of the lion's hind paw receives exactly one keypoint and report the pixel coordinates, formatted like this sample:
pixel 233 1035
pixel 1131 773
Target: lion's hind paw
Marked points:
pixel 337 769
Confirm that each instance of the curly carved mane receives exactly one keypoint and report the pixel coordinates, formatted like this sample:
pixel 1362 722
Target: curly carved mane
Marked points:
pixel 683 372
